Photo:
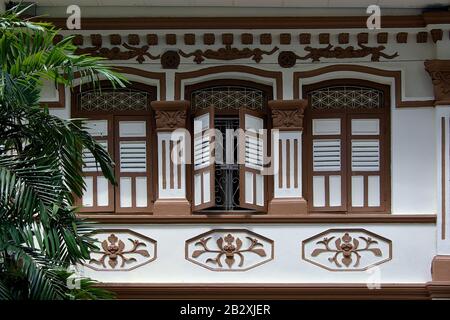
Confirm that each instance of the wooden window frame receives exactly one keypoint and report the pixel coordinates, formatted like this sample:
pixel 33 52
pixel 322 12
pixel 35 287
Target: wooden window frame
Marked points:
pixel 268 92
pixel 346 116
pixel 113 119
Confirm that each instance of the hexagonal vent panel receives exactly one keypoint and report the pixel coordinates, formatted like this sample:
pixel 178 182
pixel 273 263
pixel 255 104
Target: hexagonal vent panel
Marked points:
pixel 229 250
pixel 346 249
pixel 121 250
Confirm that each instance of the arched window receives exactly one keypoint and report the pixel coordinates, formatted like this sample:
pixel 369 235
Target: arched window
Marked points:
pixel 347 147
pixel 120 120
pixel 222 108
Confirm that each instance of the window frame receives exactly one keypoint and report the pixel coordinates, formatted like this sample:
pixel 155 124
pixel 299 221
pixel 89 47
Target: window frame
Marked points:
pixel 384 114
pixel 113 118
pixel 268 95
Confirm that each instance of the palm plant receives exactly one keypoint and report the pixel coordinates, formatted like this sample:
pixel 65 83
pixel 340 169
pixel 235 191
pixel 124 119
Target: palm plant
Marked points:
pixel 40 163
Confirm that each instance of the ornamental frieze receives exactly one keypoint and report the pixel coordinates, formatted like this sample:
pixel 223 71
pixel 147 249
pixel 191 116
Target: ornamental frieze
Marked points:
pixel 121 250
pixel 288 59
pixel 228 53
pixel 347 249
pixel 229 250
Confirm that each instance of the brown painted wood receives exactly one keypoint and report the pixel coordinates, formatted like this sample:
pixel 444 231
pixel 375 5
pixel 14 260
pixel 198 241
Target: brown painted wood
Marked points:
pixel 364 70
pixel 266 291
pixel 262 218
pixel 227 23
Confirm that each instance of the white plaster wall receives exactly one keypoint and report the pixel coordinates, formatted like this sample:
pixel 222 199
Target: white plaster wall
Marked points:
pixel 413 247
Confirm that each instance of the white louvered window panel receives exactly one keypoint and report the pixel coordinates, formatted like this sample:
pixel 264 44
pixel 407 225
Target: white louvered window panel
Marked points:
pixel 133 156
pixel 90 165
pixel 202 151
pixel 327 155
pixel 253 151
pixel 365 155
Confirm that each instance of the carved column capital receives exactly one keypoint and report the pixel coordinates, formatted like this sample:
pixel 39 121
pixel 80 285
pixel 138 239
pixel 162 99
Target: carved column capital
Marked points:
pixel 287 114
pixel 170 115
pixel 439 71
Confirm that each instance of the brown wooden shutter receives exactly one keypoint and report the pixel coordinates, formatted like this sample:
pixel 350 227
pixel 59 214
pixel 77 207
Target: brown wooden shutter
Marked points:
pixel 204 167
pixel 251 160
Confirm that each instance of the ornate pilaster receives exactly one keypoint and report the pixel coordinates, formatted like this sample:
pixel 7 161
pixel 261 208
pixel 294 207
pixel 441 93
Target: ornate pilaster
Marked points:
pixel 439 71
pixel 287 120
pixel 170 116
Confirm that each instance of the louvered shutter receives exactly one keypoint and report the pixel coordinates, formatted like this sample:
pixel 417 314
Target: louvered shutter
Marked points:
pixel 98 195
pixel 204 184
pixel 132 164
pixel 252 144
pixel 328 164
pixel 366 164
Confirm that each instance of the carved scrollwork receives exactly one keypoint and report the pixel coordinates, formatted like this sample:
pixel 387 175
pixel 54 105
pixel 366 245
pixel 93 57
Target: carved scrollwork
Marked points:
pixel 287 118
pixel 286 58
pixel 229 250
pixel 228 53
pixel 116 53
pixel 347 249
pixel 439 71
pixel 122 255
pixel 170 119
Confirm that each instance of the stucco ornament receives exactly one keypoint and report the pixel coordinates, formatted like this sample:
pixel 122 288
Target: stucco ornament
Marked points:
pixel 229 250
pixel 347 249
pixel 121 255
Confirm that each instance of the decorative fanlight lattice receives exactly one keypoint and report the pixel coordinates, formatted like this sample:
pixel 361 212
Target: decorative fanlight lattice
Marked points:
pixel 346 97
pixel 228 98
pixel 114 100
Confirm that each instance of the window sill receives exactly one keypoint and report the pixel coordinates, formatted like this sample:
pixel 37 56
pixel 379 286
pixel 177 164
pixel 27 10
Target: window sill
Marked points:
pixel 260 218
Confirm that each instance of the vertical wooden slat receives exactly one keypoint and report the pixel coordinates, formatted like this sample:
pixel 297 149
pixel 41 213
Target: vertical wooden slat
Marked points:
pixel 179 164
pixel 295 163
pixel 443 167
pixel 327 190
pixel 171 173
pixel 254 188
pixel 280 163
pixel 366 190
pixel 288 163
pixel 163 164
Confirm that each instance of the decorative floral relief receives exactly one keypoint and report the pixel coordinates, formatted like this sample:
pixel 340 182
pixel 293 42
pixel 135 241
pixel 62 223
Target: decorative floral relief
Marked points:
pixel 347 249
pixel 229 250
pixel 116 255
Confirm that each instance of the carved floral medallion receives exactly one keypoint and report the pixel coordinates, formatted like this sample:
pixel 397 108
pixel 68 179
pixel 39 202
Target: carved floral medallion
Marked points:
pixel 347 249
pixel 121 250
pixel 229 250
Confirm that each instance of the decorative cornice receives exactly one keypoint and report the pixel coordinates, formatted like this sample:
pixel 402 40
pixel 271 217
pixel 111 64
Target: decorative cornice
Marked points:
pixel 287 59
pixel 155 23
pixel 170 115
pixel 287 114
pixel 228 53
pixel 439 71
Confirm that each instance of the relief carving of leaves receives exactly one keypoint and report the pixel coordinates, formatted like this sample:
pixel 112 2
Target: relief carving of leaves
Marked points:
pixel 220 243
pixel 238 244
pixel 260 252
pixel 143 253
pixel 229 262
pixel 346 261
pixel 355 243
pixel 105 245
pixel 197 253
pixel 316 252
pixel 112 238
pixel 121 245
pixel 338 243
pixel 112 263
pixel 377 252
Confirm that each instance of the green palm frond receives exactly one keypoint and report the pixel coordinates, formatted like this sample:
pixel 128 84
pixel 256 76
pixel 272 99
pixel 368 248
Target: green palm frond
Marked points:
pixel 41 163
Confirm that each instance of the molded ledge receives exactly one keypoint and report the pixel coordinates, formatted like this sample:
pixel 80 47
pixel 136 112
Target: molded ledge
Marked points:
pixel 172 207
pixel 288 206
pixel 439 287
